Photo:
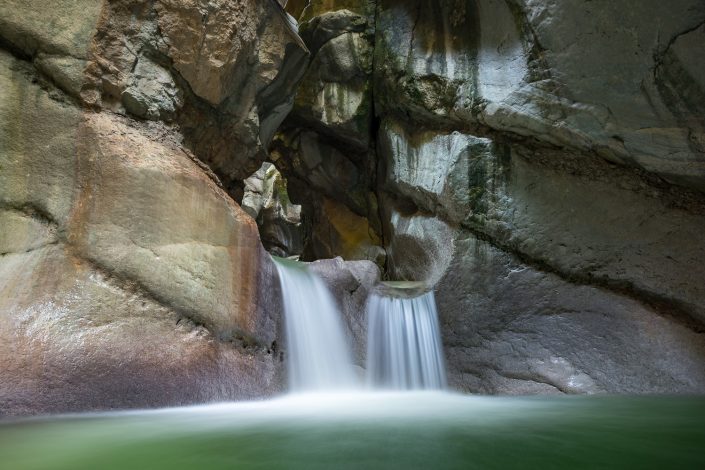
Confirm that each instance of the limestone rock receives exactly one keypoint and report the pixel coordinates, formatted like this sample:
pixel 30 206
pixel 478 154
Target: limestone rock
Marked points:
pixel 516 330
pixel 151 92
pixel 324 168
pixel 222 71
pixel 420 245
pixel 76 338
pixel 324 148
pixel 129 277
pixel 434 169
pixel 66 29
pixel 267 201
pixel 495 147
pixel 538 68
pixel 37 146
pixel 337 231
pixel 132 220
pixel 335 96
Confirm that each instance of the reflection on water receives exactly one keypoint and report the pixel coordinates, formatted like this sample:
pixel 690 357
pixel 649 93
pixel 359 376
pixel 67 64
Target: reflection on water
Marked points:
pixel 426 430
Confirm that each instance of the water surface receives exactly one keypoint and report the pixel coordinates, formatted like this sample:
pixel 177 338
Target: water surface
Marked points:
pixel 424 430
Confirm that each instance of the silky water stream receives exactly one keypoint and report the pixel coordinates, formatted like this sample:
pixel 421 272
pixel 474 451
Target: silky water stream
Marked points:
pixel 401 419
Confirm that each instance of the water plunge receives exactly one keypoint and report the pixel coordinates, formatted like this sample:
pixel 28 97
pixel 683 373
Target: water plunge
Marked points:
pixel 319 356
pixel 404 349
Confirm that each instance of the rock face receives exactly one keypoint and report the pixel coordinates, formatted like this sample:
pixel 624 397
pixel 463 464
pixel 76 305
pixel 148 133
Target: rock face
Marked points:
pixel 569 74
pixel 326 147
pixel 267 201
pixel 128 276
pixel 541 163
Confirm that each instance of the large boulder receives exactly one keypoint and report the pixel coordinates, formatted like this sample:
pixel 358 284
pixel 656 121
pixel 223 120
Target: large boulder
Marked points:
pixel 128 275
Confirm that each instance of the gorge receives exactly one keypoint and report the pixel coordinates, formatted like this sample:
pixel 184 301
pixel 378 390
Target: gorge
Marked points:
pixel 177 175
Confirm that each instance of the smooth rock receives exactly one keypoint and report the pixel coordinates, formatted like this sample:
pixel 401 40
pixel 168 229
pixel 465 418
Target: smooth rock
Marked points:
pixel 510 329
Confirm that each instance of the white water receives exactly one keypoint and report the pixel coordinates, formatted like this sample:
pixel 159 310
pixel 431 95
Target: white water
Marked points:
pixel 404 349
pixel 319 357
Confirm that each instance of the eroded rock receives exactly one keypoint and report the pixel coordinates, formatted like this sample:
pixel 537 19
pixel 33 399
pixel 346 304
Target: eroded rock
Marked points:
pixel 267 201
pixel 130 278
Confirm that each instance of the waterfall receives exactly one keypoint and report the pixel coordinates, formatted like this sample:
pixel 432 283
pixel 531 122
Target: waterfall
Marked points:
pixel 319 356
pixel 404 349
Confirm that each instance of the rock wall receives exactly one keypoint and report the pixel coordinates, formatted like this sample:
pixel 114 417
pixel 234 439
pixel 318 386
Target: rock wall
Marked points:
pixel 540 162
pixel 128 275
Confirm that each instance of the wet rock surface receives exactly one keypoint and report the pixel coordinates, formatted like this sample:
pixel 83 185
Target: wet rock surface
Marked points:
pixel 351 283
pixel 559 140
pixel 541 163
pixel 267 201
pixel 130 277
pixel 325 147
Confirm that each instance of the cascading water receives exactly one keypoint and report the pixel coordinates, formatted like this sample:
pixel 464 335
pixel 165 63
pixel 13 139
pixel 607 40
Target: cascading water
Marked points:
pixel 319 354
pixel 404 349
pixel 399 430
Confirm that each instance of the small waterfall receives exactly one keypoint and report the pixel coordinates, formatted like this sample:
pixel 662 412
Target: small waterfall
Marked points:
pixel 404 349
pixel 319 356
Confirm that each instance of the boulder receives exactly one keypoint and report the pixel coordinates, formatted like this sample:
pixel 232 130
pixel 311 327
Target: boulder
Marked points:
pixel 509 328
pixel 129 277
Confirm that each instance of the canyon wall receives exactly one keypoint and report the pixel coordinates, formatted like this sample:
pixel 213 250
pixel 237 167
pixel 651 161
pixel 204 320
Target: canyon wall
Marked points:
pixel 540 163
pixel 129 277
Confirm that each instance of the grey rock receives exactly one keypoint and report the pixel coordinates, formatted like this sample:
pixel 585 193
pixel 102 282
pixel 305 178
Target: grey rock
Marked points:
pixel 419 246
pixel 335 95
pixel 434 168
pixel 279 220
pixel 65 30
pixel 540 69
pixel 151 92
pixel 65 71
pixel 128 276
pixel 510 329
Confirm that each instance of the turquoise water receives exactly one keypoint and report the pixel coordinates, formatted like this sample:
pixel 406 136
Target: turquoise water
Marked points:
pixel 424 430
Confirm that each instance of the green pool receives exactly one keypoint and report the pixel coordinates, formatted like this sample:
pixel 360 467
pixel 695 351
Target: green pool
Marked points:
pixel 429 430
